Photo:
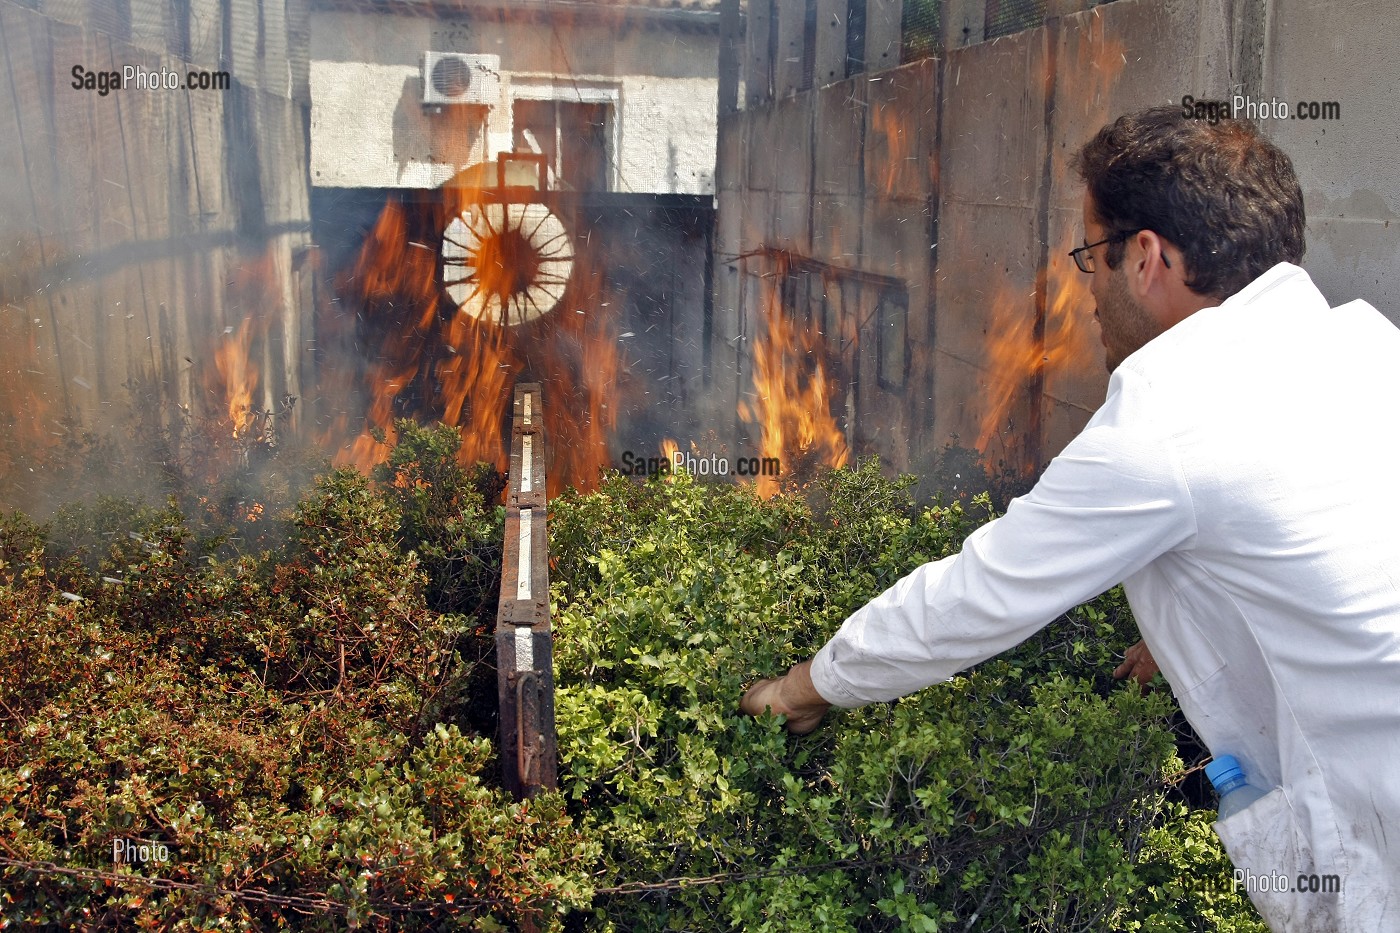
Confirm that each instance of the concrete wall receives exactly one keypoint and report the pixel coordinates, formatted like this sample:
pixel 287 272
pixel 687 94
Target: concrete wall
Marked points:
pixel 370 129
pixel 137 228
pixel 966 160
pixel 839 176
pixel 1350 168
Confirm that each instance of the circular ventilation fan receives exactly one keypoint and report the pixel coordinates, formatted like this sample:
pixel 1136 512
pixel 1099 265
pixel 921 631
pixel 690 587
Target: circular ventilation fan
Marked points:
pixel 506 263
pixel 451 77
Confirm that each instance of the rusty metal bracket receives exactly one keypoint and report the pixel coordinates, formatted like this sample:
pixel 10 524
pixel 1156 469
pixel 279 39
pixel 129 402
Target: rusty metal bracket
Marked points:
pixel 526 741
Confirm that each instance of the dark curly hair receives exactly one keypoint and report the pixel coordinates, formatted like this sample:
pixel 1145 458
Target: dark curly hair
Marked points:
pixel 1222 194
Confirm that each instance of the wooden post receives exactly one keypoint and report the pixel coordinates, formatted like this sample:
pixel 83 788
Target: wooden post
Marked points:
pixel 524 642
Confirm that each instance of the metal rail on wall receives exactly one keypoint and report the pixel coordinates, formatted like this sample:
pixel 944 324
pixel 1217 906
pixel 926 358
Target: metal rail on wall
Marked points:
pixel 524 641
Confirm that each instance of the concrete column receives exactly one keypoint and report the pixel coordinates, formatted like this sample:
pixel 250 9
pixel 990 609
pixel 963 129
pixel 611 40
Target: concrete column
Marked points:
pixel 964 23
pixel 831 42
pixel 792 21
pixel 1065 7
pixel 758 64
pixel 883 22
pixel 731 38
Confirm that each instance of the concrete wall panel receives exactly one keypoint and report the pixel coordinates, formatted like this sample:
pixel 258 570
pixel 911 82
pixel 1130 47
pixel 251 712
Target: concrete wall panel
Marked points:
pixel 830 64
pixel 146 210
pixel 837 230
pixel 787 159
pixel 986 260
pixel 789 225
pixel 729 161
pixel 901 120
pixel 895 240
pixel 993 131
pixel 1121 57
pixel 956 414
pixel 882 34
pixel 996 143
pixel 840 116
pixel 1349 168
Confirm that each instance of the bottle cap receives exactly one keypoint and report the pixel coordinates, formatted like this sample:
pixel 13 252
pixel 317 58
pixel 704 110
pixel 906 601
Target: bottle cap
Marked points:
pixel 1223 770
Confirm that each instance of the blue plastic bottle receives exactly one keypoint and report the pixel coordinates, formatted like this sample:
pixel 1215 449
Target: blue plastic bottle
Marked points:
pixel 1235 792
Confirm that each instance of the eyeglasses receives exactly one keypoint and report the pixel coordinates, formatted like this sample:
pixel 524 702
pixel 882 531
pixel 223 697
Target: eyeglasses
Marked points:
pixel 1085 259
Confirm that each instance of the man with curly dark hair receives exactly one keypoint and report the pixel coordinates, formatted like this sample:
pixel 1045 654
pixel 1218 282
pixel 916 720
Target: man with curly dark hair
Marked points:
pixel 1264 577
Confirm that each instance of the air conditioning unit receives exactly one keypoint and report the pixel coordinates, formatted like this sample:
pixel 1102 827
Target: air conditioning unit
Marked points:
pixel 455 78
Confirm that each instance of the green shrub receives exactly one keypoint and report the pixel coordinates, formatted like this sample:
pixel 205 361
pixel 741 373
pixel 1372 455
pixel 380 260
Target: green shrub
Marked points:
pixel 280 699
pixel 1025 794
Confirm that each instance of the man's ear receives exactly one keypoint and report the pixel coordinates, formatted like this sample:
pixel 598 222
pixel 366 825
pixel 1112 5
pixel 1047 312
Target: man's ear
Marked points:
pixel 1144 265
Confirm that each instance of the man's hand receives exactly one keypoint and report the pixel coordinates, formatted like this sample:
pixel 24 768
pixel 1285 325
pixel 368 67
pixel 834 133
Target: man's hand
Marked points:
pixel 1139 664
pixel 791 695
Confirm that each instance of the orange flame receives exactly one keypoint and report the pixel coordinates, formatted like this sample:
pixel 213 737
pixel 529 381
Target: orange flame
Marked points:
pixel 792 404
pixel 236 378
pixel 239 375
pixel 476 378
pixel 1017 357
pixel 896 166
pixel 582 396
pixel 439 363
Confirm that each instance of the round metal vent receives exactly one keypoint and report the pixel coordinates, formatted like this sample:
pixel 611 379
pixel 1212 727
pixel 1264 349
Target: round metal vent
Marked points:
pixel 506 263
pixel 451 76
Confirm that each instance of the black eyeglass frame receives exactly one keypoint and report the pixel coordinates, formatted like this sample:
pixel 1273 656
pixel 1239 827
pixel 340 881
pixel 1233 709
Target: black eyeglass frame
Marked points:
pixel 1084 261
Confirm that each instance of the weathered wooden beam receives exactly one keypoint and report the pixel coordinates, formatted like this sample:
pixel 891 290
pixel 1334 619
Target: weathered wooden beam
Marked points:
pixel 524 641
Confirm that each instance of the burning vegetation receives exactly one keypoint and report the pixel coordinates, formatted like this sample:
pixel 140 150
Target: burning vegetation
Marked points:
pixel 791 404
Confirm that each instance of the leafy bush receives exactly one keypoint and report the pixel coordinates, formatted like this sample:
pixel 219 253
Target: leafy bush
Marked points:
pixel 1026 794
pixel 282 699
pixel 273 720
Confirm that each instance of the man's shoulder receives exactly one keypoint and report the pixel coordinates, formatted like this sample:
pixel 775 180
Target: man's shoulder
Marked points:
pixel 1277 321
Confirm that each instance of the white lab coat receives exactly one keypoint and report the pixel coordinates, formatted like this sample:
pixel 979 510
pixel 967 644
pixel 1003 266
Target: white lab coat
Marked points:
pixel 1239 481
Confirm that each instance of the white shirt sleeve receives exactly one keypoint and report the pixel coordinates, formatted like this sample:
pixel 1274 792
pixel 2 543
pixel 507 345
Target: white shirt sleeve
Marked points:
pixel 1114 500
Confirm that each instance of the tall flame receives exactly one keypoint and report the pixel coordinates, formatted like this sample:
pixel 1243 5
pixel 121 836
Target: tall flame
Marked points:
pixel 792 394
pixel 582 391
pixel 239 374
pixel 475 378
pixel 1016 356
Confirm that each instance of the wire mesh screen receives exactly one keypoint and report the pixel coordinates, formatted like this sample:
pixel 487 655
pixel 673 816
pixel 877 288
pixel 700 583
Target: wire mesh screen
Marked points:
pixel 920 29
pixel 1007 16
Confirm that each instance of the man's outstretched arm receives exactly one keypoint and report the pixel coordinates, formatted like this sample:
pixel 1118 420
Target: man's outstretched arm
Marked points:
pixel 1113 501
